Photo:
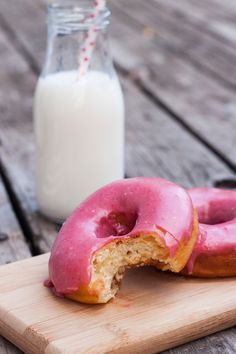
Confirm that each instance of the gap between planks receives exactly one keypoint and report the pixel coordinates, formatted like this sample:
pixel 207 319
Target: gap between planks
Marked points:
pixel 19 213
pixel 154 98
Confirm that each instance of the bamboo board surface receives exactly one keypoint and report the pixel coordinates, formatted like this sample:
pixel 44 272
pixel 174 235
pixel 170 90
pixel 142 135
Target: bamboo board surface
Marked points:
pixel 153 311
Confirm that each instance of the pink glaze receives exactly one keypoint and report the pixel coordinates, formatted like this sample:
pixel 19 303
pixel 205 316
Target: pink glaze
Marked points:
pixel 217 217
pixel 148 205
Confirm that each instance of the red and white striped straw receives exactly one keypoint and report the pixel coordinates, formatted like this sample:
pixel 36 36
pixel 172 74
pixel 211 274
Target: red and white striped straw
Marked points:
pixel 90 40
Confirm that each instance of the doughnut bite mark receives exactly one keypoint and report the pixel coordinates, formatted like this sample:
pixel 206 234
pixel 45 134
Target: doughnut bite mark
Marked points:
pixel 214 254
pixel 128 223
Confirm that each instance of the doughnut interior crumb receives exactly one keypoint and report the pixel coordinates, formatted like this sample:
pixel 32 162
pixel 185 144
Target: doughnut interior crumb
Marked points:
pixel 110 263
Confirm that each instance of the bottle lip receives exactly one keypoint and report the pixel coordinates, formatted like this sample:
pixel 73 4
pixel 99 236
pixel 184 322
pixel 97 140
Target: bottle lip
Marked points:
pixel 71 17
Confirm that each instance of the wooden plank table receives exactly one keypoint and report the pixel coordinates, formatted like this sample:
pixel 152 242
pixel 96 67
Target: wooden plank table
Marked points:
pixel 176 63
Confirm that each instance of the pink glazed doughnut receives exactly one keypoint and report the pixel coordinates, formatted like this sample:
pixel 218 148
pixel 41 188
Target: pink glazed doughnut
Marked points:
pixel 128 223
pixel 214 254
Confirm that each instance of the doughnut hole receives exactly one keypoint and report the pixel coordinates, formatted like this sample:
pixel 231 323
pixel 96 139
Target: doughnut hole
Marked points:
pixel 116 224
pixel 218 212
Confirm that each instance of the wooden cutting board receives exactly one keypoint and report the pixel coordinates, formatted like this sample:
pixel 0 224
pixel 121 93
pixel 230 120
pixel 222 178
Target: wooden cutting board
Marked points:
pixel 153 311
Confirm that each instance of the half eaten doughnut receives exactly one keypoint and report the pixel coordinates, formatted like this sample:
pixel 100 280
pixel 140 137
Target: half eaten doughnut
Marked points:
pixel 128 223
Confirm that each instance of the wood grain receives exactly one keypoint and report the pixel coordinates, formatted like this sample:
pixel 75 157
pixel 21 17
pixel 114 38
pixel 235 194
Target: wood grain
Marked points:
pixel 12 247
pixel 184 89
pixel 214 17
pixel 156 146
pixel 218 343
pixel 8 348
pixel 144 318
pixel 12 243
pixel 158 63
pixel 204 36
pixel 16 134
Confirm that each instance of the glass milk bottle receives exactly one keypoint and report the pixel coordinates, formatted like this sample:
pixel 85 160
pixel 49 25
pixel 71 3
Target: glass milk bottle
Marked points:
pixel 78 114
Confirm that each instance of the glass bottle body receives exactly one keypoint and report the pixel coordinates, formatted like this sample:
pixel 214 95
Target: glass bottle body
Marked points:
pixel 79 120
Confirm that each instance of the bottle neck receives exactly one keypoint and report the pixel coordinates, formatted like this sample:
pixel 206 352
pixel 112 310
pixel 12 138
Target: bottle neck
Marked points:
pixel 66 19
pixel 68 28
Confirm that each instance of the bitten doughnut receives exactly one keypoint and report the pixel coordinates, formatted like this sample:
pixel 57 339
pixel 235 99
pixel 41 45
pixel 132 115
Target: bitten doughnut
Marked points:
pixel 128 223
pixel 214 254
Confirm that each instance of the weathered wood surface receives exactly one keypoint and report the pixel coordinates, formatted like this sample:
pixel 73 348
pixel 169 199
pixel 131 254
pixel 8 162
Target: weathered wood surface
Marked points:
pixel 12 242
pixel 12 247
pixel 188 39
pixel 201 45
pixel 17 149
pixel 215 17
pixel 158 62
pixel 184 88
pixel 174 130
pixel 8 348
pixel 219 343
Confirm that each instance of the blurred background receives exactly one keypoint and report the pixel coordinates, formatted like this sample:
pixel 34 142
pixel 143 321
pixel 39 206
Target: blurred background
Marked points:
pixel 176 63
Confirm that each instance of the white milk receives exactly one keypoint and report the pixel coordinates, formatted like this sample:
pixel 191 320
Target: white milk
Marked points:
pixel 79 129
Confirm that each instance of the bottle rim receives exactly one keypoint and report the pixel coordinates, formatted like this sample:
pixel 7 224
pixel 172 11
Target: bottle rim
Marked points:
pixel 71 17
